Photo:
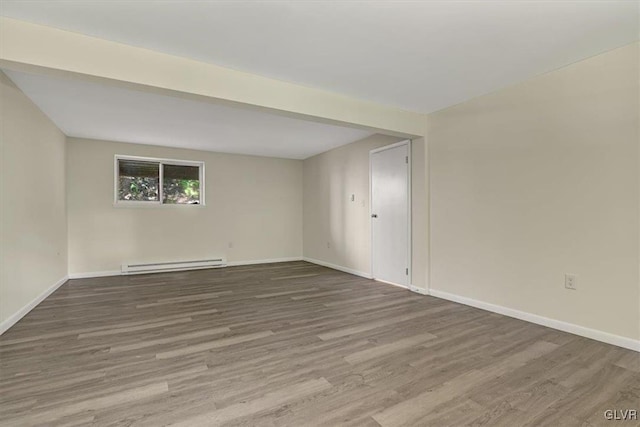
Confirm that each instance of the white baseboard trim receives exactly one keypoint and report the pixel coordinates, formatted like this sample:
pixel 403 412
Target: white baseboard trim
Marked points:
pixel 417 290
pixel 263 261
pixel 15 317
pixel 337 267
pixel 92 274
pixel 572 328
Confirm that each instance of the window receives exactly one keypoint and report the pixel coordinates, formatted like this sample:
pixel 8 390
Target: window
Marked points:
pixel 147 181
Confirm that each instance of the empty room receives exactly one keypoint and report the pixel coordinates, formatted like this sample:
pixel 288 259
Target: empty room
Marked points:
pixel 319 213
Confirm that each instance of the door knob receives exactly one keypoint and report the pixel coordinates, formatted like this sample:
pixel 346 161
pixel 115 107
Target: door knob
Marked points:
pixel 374 215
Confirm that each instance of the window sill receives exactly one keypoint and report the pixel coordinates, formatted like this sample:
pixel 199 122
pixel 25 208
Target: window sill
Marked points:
pixel 151 205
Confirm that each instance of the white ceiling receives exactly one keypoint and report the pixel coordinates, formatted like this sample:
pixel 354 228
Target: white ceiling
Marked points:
pixel 418 55
pixel 89 110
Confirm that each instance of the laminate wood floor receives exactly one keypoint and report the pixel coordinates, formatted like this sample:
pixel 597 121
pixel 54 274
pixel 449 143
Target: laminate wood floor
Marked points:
pixel 295 344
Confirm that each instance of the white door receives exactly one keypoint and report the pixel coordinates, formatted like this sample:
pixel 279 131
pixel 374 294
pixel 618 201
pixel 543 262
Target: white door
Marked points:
pixel 390 207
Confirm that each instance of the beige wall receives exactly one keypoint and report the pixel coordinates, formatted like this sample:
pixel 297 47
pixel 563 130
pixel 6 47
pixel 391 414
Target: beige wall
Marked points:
pixel 253 202
pixel 337 230
pixel 539 180
pixel 33 223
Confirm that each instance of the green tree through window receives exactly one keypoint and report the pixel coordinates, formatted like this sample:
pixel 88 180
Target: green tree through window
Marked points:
pixel 139 181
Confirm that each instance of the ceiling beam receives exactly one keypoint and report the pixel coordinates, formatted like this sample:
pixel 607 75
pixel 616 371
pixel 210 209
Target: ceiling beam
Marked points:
pixel 35 48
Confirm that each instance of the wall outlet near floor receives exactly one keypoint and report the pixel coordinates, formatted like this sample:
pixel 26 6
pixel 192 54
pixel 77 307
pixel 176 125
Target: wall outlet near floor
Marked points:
pixel 571 281
pixel 328 245
pixel 230 245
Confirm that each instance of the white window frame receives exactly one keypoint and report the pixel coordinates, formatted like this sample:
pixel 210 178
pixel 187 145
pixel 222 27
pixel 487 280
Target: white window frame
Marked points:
pixel 162 162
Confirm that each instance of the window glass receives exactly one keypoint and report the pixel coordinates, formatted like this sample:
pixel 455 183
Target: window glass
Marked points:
pixel 181 184
pixel 138 180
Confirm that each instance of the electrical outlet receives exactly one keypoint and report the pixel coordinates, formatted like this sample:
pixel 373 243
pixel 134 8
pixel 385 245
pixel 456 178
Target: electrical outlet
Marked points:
pixel 353 197
pixel 571 281
pixel 328 245
pixel 230 245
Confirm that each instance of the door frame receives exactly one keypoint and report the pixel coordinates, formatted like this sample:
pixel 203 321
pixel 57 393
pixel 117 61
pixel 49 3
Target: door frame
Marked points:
pixel 406 142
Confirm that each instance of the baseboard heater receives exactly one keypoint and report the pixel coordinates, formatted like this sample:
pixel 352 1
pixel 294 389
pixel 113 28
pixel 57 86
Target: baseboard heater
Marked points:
pixel 159 267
